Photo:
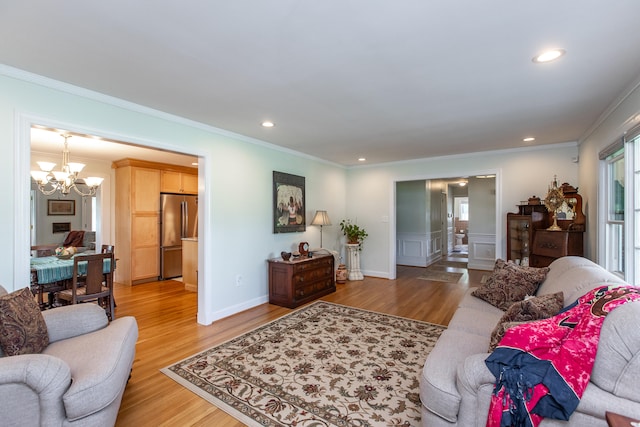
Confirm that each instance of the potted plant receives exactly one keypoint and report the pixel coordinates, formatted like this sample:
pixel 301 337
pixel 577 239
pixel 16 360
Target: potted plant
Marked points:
pixel 354 233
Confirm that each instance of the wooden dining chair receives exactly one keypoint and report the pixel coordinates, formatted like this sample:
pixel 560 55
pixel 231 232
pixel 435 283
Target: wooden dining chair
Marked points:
pixel 90 282
pixel 110 249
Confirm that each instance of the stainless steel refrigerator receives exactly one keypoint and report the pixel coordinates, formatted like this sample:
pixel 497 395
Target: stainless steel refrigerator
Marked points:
pixel 179 219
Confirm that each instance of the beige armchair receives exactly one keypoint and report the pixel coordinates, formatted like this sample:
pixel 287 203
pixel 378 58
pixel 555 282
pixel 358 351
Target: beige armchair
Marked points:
pixel 78 379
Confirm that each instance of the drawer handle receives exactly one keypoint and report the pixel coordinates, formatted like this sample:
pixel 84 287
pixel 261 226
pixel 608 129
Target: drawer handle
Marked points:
pixel 548 245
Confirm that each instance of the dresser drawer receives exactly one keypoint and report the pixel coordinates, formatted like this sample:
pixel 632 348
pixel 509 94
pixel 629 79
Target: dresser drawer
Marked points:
pixel 311 289
pixel 292 283
pixel 551 243
pixel 304 277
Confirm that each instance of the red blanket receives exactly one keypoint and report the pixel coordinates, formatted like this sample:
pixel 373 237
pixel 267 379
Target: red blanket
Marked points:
pixel 74 238
pixel 543 367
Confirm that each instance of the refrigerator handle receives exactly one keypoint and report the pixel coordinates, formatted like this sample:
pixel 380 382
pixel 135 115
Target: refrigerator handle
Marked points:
pixel 183 219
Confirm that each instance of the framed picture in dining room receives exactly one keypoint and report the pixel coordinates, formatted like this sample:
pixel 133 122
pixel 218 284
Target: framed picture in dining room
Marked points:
pixel 61 207
pixel 288 203
pixel 60 227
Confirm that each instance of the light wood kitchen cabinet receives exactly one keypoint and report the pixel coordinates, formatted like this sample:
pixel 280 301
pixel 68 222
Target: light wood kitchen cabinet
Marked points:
pixel 178 182
pixel 138 187
pixel 137 242
pixel 190 264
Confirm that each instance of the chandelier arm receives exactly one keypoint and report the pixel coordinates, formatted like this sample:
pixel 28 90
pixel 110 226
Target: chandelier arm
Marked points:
pixel 47 192
pixel 92 191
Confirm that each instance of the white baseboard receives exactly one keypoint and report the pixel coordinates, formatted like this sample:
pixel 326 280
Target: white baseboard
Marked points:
pixel 229 311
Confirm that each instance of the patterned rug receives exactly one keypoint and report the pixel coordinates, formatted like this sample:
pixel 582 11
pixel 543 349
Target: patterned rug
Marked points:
pixel 440 276
pixel 459 255
pixel 322 365
pixel 456 264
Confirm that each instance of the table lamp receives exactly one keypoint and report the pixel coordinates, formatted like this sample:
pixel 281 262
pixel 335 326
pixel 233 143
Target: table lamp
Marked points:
pixel 321 218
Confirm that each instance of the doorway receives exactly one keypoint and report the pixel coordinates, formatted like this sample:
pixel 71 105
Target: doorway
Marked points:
pixel 446 216
pixel 104 208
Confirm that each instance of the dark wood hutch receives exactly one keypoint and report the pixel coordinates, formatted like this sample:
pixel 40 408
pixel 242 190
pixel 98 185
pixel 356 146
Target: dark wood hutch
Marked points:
pixel 530 243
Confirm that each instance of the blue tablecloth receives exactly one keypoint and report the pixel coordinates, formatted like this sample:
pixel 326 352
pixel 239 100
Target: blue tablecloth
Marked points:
pixel 52 269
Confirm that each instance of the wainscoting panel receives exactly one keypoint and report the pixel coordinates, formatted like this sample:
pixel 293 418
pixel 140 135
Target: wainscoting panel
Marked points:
pixel 482 251
pixel 418 250
pixel 434 250
pixel 412 249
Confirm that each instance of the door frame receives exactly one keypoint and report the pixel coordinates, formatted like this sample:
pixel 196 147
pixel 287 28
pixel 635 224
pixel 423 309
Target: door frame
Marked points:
pixel 454 174
pixel 22 203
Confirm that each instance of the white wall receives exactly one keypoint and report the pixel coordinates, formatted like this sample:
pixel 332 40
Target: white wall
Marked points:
pixel 624 115
pixel 520 174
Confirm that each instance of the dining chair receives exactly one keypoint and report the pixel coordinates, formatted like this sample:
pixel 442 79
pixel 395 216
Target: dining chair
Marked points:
pixel 90 282
pixel 110 249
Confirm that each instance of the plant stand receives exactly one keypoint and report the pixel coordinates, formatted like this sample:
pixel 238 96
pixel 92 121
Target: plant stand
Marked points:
pixel 354 262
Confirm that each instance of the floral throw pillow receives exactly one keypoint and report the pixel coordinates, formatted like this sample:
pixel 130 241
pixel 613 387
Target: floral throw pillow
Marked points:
pixel 510 283
pixel 22 327
pixel 535 308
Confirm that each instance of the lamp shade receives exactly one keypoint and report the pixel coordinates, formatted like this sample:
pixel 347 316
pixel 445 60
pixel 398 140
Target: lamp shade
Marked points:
pixel 321 218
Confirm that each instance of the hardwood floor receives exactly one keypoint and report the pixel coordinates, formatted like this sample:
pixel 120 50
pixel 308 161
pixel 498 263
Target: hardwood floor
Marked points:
pixel 168 332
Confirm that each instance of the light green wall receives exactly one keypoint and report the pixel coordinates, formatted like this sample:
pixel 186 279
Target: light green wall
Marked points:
pixel 237 222
pixel 482 204
pixel 237 184
pixel 411 207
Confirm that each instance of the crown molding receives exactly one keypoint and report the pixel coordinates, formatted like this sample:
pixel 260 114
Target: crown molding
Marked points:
pixel 50 83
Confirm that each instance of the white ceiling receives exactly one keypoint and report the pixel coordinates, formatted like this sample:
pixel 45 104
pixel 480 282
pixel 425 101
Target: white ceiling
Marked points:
pixel 382 79
pixel 86 147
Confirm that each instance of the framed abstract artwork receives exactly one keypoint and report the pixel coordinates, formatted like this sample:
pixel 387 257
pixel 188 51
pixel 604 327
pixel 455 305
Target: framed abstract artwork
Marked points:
pixel 288 203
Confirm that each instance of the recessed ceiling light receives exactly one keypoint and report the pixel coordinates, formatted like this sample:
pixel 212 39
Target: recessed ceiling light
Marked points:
pixel 194 164
pixel 268 124
pixel 362 159
pixel 529 139
pixel 549 55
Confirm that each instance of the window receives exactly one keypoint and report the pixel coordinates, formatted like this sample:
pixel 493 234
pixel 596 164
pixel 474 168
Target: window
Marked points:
pixel 461 208
pixel 614 222
pixel 621 208
pixel 633 204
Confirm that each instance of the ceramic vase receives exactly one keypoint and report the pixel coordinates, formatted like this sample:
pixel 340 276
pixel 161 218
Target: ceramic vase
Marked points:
pixel 341 274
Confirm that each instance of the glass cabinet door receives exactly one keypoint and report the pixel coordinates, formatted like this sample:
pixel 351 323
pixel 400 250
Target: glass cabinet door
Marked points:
pixel 519 238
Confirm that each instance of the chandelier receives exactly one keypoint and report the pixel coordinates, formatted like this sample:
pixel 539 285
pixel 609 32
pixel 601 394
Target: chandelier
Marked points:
pixel 50 181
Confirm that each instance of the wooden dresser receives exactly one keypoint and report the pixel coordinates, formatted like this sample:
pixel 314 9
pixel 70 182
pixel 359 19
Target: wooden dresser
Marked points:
pixel 296 282
pixel 530 239
pixel 550 245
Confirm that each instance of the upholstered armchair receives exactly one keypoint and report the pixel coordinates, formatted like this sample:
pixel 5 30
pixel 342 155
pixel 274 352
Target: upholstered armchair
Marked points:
pixel 78 379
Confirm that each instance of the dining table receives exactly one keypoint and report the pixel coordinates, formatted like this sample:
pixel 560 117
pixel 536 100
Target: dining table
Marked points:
pixel 51 274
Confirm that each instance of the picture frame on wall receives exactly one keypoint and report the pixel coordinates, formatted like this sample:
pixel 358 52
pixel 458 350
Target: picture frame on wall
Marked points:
pixel 288 203
pixel 61 207
pixel 60 227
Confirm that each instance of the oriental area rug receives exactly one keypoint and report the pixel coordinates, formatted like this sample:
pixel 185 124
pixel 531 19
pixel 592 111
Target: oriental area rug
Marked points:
pixel 322 365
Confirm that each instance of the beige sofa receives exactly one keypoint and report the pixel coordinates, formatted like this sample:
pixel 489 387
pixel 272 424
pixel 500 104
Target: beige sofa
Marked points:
pixel 456 385
pixel 79 378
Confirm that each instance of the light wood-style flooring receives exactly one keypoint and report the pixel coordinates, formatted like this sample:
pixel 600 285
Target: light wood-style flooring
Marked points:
pixel 168 332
